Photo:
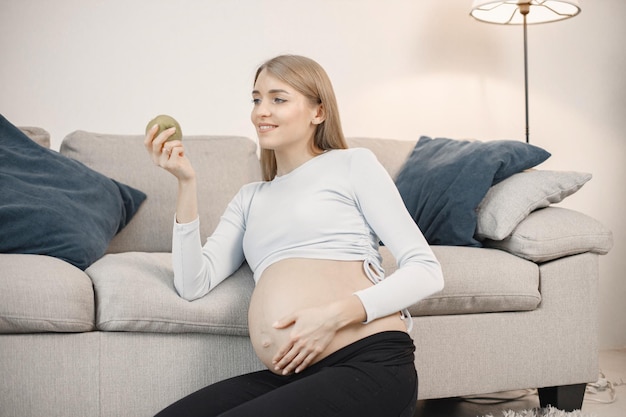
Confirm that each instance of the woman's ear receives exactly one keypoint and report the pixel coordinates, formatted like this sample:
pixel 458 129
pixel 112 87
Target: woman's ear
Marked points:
pixel 320 116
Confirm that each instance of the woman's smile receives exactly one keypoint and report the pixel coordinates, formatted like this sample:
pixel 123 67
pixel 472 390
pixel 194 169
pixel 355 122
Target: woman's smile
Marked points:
pixel 265 127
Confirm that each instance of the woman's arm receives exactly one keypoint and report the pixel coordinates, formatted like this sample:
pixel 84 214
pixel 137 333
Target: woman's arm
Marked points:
pixel 197 268
pixel 419 273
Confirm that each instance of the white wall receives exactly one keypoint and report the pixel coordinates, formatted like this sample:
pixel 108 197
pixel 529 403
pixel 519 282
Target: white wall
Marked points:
pixel 401 68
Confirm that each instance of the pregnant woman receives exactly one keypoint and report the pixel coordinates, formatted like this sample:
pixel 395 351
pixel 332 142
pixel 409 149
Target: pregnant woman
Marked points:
pixel 323 318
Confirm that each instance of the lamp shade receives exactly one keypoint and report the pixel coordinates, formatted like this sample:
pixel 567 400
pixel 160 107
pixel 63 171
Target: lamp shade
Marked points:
pixel 509 12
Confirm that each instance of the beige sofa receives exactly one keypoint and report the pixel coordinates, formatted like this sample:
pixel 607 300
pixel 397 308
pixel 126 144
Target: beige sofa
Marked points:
pixel 116 340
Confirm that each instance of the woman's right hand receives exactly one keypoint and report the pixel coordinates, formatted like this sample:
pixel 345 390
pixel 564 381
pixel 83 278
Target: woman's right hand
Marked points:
pixel 169 155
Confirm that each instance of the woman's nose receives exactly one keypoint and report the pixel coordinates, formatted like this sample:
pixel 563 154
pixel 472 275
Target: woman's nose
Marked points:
pixel 261 109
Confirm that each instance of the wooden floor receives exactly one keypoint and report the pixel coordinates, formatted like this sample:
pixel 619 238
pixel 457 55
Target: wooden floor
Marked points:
pixel 612 364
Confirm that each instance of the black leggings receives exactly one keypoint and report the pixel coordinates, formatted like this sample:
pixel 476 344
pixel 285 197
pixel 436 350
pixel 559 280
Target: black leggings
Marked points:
pixel 374 376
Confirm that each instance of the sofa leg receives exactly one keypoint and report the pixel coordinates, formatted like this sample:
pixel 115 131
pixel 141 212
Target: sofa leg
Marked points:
pixel 564 397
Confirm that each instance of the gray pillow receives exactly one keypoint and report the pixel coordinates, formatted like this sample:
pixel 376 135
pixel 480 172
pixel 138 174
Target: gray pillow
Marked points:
pixel 554 232
pixel 509 202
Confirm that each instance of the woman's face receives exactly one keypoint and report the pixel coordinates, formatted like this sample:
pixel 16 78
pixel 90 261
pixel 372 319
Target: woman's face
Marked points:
pixel 283 117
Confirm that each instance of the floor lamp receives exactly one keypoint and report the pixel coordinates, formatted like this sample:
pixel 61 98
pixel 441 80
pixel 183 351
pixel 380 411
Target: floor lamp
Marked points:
pixel 524 12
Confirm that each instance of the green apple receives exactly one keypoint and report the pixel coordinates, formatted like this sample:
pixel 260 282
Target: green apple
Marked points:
pixel 165 122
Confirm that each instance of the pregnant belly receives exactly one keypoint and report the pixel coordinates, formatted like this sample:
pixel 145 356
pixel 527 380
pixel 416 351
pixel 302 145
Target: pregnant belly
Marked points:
pixel 294 284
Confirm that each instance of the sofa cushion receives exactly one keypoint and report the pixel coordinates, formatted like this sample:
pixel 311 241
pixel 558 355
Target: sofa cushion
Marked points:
pixel 444 180
pixel 510 201
pixel 554 232
pixel 53 205
pixel 222 163
pixel 44 294
pixel 478 280
pixel 135 292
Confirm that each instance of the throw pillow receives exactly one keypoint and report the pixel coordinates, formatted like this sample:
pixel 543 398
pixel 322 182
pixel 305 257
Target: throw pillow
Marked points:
pixel 443 181
pixel 53 205
pixel 555 232
pixel 509 202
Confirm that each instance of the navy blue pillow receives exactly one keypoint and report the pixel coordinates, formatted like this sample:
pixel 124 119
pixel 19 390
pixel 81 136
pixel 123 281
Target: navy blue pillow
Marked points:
pixel 443 181
pixel 53 205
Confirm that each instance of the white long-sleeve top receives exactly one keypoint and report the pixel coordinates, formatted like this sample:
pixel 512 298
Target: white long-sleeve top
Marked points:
pixel 335 206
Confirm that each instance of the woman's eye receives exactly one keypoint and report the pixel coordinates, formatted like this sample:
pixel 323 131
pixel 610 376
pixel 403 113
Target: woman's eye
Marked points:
pixel 275 100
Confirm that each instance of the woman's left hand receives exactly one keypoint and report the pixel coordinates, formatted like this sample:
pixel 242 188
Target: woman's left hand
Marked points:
pixel 312 331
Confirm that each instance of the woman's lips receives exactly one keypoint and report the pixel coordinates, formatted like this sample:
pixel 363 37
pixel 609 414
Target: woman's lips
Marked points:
pixel 266 127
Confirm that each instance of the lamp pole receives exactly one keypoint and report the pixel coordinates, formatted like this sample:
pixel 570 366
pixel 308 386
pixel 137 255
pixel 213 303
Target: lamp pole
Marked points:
pixel 524 8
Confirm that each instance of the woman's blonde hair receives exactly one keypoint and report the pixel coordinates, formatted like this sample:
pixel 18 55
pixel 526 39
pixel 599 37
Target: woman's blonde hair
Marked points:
pixel 308 78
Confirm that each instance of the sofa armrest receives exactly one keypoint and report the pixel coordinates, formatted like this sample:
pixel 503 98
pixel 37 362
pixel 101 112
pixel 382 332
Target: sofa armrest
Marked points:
pixel 554 232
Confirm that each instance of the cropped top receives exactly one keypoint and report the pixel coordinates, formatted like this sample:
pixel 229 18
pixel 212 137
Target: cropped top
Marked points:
pixel 337 206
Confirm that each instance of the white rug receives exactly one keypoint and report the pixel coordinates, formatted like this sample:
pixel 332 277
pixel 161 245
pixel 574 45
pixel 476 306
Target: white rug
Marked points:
pixel 541 412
